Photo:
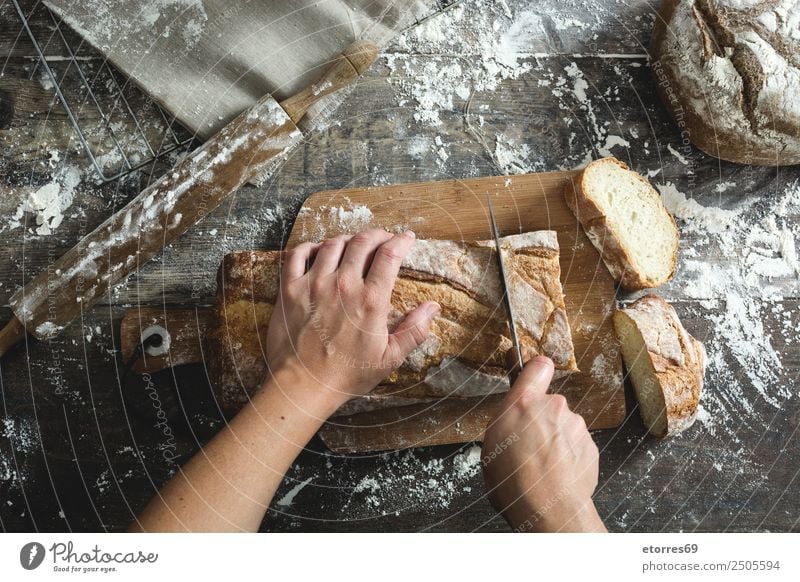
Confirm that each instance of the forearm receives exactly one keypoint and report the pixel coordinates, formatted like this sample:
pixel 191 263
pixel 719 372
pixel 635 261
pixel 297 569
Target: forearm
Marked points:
pixel 338 306
pixel 558 518
pixel 228 485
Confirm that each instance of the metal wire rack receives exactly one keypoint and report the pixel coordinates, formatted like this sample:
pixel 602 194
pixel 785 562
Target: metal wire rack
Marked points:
pixel 119 126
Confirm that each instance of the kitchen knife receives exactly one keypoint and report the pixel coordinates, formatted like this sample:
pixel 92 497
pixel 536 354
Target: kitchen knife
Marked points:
pixel 260 136
pixel 512 322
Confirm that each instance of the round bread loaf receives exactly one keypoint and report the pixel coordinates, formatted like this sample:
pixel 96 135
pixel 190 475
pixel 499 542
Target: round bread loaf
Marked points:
pixel 729 72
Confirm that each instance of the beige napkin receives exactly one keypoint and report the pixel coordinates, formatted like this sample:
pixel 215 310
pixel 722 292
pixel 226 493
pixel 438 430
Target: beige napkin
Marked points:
pixel 206 61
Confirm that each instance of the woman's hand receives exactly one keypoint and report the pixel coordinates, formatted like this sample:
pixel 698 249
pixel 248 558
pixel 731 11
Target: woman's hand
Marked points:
pixel 328 341
pixel 540 463
pixel 330 327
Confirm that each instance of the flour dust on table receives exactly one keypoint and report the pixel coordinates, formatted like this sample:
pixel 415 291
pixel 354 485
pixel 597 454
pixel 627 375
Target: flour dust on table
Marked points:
pixel 758 275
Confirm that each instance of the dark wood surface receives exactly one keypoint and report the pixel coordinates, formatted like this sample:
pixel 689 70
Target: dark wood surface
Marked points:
pixel 80 444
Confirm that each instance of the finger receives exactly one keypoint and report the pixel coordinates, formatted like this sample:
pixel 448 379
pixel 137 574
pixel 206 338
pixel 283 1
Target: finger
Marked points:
pixel 388 258
pixel 329 255
pixel 411 332
pixel 296 261
pixel 360 250
pixel 532 381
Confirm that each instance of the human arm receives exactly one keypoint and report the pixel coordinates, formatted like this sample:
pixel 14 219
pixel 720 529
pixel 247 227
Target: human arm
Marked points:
pixel 540 463
pixel 328 341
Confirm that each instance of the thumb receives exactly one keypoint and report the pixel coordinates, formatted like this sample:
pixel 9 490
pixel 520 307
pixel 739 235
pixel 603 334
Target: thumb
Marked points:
pixel 533 380
pixel 411 332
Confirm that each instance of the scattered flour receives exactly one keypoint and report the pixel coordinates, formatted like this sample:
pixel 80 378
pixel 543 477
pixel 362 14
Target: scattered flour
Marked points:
pixel 698 218
pixel 462 61
pixel 433 84
pixel 287 499
pixel 724 187
pixel 187 17
pixel 511 155
pixel 418 146
pixel 571 93
pixel 344 217
pixel 103 481
pixel 705 419
pixel 8 470
pixel 677 155
pixel 760 269
pixel 351 218
pixel 404 481
pixel 21 433
pixel 49 202
pixel 468 463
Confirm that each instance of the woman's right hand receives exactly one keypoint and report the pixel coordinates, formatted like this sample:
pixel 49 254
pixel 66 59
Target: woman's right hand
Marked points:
pixel 540 463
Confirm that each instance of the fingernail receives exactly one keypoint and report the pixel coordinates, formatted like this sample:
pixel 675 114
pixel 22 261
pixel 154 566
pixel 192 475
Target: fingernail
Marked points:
pixel 433 309
pixel 541 368
pixel 410 233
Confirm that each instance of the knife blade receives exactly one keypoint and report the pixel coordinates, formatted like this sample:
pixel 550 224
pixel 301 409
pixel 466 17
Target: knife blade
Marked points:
pixel 512 324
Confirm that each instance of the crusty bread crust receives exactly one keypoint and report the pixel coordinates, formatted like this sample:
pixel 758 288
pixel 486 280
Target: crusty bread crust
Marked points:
pixel 595 224
pixel 471 328
pixel 693 42
pixel 676 360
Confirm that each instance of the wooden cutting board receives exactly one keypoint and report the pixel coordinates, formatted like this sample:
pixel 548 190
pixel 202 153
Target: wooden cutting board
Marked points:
pixel 456 210
pixel 453 209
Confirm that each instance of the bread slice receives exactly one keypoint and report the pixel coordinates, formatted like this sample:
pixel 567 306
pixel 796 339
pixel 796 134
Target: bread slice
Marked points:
pixel 665 364
pixel 624 217
pixel 463 356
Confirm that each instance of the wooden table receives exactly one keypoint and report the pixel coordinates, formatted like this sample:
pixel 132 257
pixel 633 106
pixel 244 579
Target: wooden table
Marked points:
pixel 87 451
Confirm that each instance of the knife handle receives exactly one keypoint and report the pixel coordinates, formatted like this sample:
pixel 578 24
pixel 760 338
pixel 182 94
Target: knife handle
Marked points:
pixel 342 71
pixel 512 363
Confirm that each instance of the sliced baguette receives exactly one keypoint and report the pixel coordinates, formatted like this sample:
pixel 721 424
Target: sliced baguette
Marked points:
pixel 464 353
pixel 666 365
pixel 624 217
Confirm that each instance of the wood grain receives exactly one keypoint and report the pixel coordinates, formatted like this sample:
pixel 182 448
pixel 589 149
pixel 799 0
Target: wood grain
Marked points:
pixel 456 210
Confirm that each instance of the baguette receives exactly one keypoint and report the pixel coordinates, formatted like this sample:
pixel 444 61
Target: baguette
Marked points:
pixel 464 354
pixel 624 217
pixel 666 365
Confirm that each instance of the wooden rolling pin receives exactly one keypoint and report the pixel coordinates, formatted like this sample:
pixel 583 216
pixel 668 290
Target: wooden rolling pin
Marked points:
pixel 243 149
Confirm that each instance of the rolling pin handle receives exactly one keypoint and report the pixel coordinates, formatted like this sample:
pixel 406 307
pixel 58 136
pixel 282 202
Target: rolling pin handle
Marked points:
pixel 12 333
pixel 345 69
pixel 361 55
pixel 513 373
